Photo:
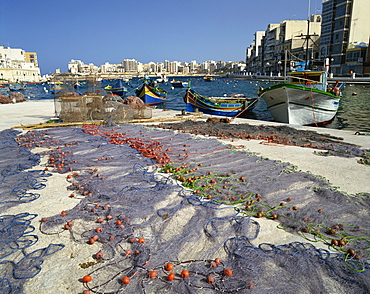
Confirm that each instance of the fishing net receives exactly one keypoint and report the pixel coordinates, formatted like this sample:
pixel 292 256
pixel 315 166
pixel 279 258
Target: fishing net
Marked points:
pixel 283 135
pixel 174 213
pixel 71 107
pixel 19 184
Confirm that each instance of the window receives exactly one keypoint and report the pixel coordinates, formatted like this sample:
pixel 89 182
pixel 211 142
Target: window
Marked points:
pixel 327 7
pixel 326 29
pixel 327 18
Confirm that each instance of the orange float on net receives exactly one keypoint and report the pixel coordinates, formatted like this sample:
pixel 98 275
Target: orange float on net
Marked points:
pixel 185 274
pixel 126 280
pixel 169 267
pixel 228 272
pixel 170 277
pixel 87 279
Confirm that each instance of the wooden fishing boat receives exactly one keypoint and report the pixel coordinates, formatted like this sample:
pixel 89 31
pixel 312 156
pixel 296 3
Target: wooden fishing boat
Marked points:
pixel 16 86
pixel 225 106
pixel 57 89
pixel 162 79
pixel 208 79
pixel 77 85
pixel 151 94
pixel 179 84
pixel 304 99
pixel 117 88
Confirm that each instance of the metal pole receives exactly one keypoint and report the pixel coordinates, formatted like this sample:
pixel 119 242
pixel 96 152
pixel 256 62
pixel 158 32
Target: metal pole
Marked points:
pixel 307 40
pixel 285 61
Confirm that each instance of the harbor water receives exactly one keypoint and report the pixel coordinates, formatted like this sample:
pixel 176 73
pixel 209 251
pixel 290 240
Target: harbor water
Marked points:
pixel 353 113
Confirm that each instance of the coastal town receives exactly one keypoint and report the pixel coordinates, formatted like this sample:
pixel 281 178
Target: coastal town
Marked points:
pixel 338 38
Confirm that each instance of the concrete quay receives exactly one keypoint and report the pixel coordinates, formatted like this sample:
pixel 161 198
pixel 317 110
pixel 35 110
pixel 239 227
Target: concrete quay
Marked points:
pixel 62 271
pixel 344 173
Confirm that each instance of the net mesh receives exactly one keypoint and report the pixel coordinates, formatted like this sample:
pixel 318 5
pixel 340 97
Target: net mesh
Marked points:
pixel 91 106
pixel 19 184
pixel 193 227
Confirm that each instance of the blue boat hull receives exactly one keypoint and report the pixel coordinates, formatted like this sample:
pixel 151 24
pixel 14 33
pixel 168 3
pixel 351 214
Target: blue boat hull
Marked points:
pixel 117 88
pixel 119 92
pixel 218 106
pixel 191 108
pixel 151 95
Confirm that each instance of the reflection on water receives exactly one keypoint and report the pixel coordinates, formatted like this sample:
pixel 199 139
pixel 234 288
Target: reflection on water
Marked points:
pixel 353 113
pixel 354 110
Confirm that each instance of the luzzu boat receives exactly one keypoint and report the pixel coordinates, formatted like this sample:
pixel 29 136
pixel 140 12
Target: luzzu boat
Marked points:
pixel 304 99
pixel 208 79
pixel 117 88
pixel 151 94
pixel 225 106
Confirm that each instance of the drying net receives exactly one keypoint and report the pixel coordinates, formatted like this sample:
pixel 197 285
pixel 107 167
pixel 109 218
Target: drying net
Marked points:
pixel 71 107
pixel 192 226
pixel 19 184
pixel 283 135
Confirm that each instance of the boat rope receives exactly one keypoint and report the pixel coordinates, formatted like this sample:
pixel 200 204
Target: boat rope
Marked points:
pixel 313 105
pixel 253 103
pixel 180 93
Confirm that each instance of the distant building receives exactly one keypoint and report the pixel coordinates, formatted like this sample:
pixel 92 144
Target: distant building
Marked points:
pixel 18 65
pixel 266 55
pixel 193 66
pixel 75 66
pixel 254 52
pixel 340 35
pixel 174 67
pixel 345 35
pixel 130 65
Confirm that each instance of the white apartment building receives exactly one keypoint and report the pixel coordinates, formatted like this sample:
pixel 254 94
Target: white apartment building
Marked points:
pixel 18 65
pixel 130 65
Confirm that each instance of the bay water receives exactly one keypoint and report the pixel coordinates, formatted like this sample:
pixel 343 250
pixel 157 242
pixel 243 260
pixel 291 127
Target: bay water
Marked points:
pixel 353 113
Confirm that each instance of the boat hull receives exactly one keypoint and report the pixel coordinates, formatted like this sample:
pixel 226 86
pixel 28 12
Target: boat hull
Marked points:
pixel 179 84
pixel 119 91
pixel 208 79
pixel 16 87
pixel 117 88
pixel 300 105
pixel 151 95
pixel 195 102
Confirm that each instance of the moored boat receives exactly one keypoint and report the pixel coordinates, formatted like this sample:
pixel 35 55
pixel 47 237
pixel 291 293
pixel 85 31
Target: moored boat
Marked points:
pixel 162 79
pixel 304 99
pixel 151 94
pixel 179 84
pixel 77 85
pixel 117 88
pixel 208 79
pixel 16 86
pixel 225 106
pixel 57 88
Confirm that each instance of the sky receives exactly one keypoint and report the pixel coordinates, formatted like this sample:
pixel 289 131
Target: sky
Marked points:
pixel 99 31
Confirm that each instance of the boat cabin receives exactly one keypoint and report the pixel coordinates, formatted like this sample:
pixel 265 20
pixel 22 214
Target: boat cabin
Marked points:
pixel 312 79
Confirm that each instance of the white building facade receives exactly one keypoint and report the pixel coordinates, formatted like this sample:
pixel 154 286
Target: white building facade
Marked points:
pixel 15 65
